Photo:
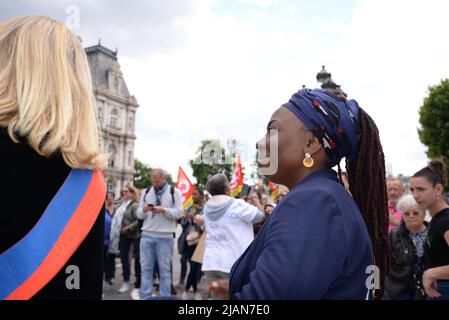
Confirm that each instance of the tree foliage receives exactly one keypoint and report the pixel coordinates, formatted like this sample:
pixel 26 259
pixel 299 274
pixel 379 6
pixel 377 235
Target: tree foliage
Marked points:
pixel 212 157
pixel 434 119
pixel 142 178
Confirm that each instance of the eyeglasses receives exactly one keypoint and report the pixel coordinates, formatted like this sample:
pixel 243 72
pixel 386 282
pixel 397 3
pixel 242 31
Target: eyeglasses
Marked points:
pixel 409 214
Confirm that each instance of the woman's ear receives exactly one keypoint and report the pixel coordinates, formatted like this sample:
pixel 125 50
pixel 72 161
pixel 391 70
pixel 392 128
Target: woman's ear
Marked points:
pixel 313 145
pixel 439 188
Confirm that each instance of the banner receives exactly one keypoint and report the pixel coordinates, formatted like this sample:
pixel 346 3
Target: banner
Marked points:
pixel 236 184
pixel 274 190
pixel 186 187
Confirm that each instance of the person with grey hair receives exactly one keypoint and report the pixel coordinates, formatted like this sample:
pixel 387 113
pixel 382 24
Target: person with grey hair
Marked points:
pixel 404 281
pixel 395 190
pixel 229 228
pixel 160 207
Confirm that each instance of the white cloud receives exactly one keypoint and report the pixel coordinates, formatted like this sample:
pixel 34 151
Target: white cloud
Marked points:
pixel 199 73
pixel 232 73
pixel 259 3
pixel 391 52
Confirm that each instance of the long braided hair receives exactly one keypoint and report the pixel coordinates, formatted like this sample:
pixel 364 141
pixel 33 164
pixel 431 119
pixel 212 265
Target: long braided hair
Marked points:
pixel 368 188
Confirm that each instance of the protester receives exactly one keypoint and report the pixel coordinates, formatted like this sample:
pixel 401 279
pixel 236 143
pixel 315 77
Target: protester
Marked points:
pixel 160 208
pixel 129 235
pixel 427 186
pixel 404 282
pixel 395 190
pixel 192 237
pixel 268 210
pixel 228 223
pixel 319 242
pixel 281 195
pixel 109 258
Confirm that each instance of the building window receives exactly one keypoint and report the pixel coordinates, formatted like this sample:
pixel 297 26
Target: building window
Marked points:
pixel 130 126
pixel 113 119
pixel 115 84
pixel 112 150
pixel 110 185
pixel 99 115
pixel 130 155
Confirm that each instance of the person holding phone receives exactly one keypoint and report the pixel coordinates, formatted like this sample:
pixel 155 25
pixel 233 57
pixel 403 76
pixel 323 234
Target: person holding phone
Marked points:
pixel 160 207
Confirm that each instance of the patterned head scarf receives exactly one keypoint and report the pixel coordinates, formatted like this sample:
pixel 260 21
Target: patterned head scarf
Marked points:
pixel 331 118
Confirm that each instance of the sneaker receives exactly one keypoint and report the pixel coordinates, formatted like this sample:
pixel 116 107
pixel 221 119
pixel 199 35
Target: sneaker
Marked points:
pixel 198 296
pixel 135 294
pixel 185 296
pixel 124 287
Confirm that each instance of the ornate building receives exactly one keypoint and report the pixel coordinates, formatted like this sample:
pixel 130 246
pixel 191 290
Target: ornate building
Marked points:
pixel 116 109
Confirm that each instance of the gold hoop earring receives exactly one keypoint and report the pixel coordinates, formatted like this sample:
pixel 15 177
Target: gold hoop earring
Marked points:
pixel 308 161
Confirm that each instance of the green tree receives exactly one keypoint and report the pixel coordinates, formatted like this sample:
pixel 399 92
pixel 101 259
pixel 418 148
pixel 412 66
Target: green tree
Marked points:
pixel 211 157
pixel 142 178
pixel 434 119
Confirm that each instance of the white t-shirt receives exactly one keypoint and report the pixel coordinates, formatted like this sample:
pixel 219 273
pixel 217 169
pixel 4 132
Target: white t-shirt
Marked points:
pixel 228 236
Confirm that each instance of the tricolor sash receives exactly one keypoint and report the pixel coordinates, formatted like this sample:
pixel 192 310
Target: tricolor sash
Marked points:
pixel 34 261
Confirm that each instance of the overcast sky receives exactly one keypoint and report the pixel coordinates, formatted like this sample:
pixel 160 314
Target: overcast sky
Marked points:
pixel 204 69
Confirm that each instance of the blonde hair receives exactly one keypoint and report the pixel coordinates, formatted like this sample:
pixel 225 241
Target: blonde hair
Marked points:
pixel 46 91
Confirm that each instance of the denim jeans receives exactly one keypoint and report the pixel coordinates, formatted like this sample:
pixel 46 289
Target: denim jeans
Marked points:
pixel 153 250
pixel 136 252
pixel 109 265
pixel 125 245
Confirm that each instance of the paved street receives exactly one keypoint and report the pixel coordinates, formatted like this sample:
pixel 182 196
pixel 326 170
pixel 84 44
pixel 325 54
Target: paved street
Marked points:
pixel 111 292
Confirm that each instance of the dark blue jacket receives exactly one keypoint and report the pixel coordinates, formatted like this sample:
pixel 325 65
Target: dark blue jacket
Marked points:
pixel 315 245
pixel 107 227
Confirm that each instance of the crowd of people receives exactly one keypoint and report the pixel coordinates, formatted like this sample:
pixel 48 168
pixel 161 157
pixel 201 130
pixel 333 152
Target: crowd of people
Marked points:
pixel 131 230
pixel 419 236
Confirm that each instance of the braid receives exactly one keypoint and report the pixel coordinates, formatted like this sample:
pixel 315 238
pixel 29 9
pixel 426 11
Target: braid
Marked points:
pixel 339 174
pixel 366 177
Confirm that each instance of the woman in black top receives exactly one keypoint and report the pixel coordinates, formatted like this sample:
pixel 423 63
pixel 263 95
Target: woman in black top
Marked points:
pixel 427 186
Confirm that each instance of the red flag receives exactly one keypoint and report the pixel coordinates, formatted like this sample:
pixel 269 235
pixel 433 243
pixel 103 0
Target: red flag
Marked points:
pixel 236 184
pixel 186 187
pixel 274 190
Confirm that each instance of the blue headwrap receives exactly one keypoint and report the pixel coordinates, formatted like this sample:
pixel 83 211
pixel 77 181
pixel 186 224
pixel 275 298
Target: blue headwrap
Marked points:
pixel 332 119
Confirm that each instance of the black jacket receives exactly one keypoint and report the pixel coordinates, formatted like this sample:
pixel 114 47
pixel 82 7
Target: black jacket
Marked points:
pixel 28 184
pixel 403 262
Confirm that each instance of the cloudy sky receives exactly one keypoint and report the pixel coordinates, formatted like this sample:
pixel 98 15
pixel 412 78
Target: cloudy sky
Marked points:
pixel 204 69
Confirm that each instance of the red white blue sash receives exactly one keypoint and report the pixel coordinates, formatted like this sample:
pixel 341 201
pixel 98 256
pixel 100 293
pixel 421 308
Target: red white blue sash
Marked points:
pixel 31 263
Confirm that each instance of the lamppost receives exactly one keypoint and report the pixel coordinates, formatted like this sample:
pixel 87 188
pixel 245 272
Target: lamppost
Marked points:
pixel 325 79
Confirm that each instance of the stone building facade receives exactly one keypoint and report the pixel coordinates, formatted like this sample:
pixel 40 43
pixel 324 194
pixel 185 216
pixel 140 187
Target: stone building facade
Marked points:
pixel 116 109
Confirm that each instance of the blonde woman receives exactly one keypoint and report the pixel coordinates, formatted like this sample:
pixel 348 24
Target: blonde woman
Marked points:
pixel 51 235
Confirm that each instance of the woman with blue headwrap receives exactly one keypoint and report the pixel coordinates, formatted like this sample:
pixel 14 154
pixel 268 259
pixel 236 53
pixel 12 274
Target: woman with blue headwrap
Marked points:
pixel 320 242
